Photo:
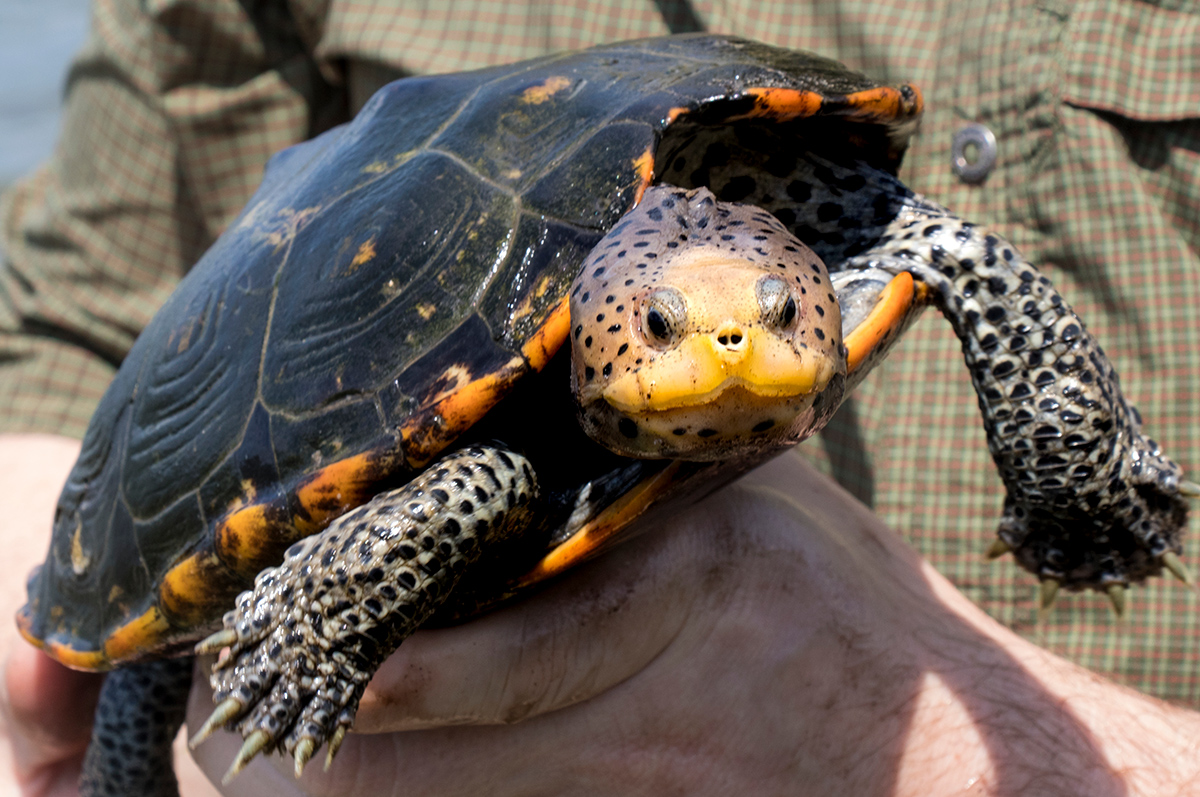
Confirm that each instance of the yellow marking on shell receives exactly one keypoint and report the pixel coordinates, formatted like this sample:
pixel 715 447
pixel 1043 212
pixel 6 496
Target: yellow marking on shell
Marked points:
pixel 601 530
pixel 699 370
pixel 334 489
pixel 366 253
pixel 187 588
pixel 889 311
pixel 88 660
pixel 883 104
pixel 426 310
pixel 115 593
pixel 248 491
pixel 456 408
pixel 549 336
pixel 186 330
pixel 79 558
pixel 781 104
pixel 467 400
pixel 536 95
pixel 238 539
pixel 643 167
pixel 375 167
pixel 136 635
pixel 25 628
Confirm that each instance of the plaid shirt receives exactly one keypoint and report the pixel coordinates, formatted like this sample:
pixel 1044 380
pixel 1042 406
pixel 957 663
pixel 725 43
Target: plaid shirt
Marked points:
pixel 174 107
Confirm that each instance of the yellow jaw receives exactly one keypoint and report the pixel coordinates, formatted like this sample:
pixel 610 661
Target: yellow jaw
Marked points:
pixel 700 370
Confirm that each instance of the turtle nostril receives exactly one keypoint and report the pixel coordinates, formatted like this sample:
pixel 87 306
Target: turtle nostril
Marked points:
pixel 730 338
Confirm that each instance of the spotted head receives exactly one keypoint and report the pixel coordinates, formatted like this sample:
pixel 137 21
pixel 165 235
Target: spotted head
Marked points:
pixel 703 330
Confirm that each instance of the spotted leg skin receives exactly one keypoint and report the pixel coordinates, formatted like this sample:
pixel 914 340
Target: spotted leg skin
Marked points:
pixel 1092 502
pixel 140 711
pixel 306 640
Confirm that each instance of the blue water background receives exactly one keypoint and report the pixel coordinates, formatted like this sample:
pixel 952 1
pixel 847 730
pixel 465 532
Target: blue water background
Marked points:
pixel 38 38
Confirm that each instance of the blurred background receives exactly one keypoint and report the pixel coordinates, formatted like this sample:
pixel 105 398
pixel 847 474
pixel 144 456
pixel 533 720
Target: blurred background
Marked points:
pixel 37 40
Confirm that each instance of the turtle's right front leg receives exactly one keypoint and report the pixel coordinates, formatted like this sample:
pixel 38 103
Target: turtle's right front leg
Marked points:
pixel 309 636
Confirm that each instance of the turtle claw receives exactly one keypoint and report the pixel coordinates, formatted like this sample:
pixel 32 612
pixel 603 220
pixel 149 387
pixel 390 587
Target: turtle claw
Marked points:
pixel 1047 594
pixel 224 638
pixel 227 710
pixel 1171 561
pixel 255 743
pixel 998 549
pixel 1189 489
pixel 303 752
pixel 335 742
pixel 1116 595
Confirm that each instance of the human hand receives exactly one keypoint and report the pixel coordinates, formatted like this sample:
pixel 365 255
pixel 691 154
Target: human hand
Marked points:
pixel 45 709
pixel 775 638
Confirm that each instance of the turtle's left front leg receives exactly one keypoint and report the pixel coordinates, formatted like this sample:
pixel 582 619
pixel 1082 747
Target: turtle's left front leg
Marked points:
pixel 306 640
pixel 1092 501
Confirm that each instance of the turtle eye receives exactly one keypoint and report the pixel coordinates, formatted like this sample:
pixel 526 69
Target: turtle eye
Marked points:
pixel 664 315
pixel 778 305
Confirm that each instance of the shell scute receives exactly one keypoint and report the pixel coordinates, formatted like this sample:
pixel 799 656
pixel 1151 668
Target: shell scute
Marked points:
pixel 587 193
pixel 434 249
pixel 543 260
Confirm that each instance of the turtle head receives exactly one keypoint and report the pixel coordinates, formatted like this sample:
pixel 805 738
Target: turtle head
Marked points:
pixel 703 330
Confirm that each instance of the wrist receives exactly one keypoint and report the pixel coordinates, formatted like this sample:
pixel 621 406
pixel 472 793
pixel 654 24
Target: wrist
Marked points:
pixel 997 715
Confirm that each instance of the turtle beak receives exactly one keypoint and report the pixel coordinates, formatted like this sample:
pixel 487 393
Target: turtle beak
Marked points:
pixel 706 364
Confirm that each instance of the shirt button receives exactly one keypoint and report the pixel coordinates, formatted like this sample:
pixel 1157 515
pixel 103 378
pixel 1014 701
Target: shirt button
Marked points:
pixel 973 153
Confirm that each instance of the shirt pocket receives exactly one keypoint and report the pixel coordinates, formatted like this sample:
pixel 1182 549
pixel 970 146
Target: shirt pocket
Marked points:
pixel 1135 59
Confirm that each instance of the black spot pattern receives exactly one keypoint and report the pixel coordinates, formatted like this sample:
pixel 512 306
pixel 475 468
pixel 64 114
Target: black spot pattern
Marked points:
pixel 141 709
pixel 301 661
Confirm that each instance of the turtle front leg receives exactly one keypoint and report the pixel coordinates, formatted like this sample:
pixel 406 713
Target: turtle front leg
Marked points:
pixel 306 640
pixel 1092 501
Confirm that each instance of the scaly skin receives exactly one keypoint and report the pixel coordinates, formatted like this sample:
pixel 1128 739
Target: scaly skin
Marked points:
pixel 141 709
pixel 1092 502
pixel 309 636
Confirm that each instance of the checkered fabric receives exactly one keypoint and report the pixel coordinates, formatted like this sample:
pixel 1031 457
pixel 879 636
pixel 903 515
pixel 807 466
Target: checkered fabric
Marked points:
pixel 173 108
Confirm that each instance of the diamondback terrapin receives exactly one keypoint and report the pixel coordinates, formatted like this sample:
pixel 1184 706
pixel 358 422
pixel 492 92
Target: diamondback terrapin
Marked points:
pixel 715 227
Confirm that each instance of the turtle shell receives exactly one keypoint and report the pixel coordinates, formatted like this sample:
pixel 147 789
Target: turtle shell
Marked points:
pixel 388 284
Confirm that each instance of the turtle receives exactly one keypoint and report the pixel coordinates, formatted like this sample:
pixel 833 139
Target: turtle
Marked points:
pixel 461 343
